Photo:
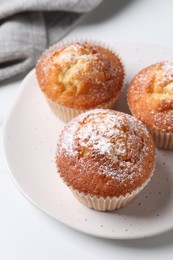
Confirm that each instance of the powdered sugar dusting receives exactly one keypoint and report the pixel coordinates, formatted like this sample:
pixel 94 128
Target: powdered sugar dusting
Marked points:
pixel 151 96
pixel 117 139
pixel 168 69
pixel 99 135
pixel 78 61
pixel 80 75
pixel 164 78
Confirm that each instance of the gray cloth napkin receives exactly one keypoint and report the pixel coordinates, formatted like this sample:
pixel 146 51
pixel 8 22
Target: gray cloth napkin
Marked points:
pixel 28 27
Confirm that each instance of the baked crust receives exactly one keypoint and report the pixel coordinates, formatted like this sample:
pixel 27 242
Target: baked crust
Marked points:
pixel 105 153
pixel 80 75
pixel 150 96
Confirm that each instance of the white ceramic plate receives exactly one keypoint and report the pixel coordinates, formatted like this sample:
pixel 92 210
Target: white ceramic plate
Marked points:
pixel 30 137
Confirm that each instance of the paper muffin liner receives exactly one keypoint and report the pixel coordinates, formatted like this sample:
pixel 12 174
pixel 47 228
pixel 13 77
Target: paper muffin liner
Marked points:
pixel 108 204
pixel 162 140
pixel 66 113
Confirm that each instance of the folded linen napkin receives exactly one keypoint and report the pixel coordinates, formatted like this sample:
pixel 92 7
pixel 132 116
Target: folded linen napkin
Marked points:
pixel 28 27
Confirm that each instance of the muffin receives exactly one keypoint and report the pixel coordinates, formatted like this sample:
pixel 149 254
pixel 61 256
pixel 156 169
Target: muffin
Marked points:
pixel 150 99
pixel 106 158
pixel 79 76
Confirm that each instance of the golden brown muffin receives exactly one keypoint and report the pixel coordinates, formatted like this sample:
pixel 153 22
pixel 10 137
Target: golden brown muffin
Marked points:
pixel 107 155
pixel 80 76
pixel 150 99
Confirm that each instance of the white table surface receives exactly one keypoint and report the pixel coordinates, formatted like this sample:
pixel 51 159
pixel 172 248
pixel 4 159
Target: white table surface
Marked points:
pixel 25 232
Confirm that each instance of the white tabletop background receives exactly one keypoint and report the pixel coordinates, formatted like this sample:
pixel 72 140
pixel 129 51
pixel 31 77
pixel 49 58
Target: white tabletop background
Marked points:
pixel 25 232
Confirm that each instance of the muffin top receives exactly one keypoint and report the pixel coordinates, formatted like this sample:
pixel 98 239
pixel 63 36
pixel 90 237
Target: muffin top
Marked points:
pixel 150 96
pixel 80 75
pixel 105 153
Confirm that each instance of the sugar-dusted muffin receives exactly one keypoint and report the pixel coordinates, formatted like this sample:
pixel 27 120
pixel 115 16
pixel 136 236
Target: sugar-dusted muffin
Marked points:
pixel 150 99
pixel 79 76
pixel 106 158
